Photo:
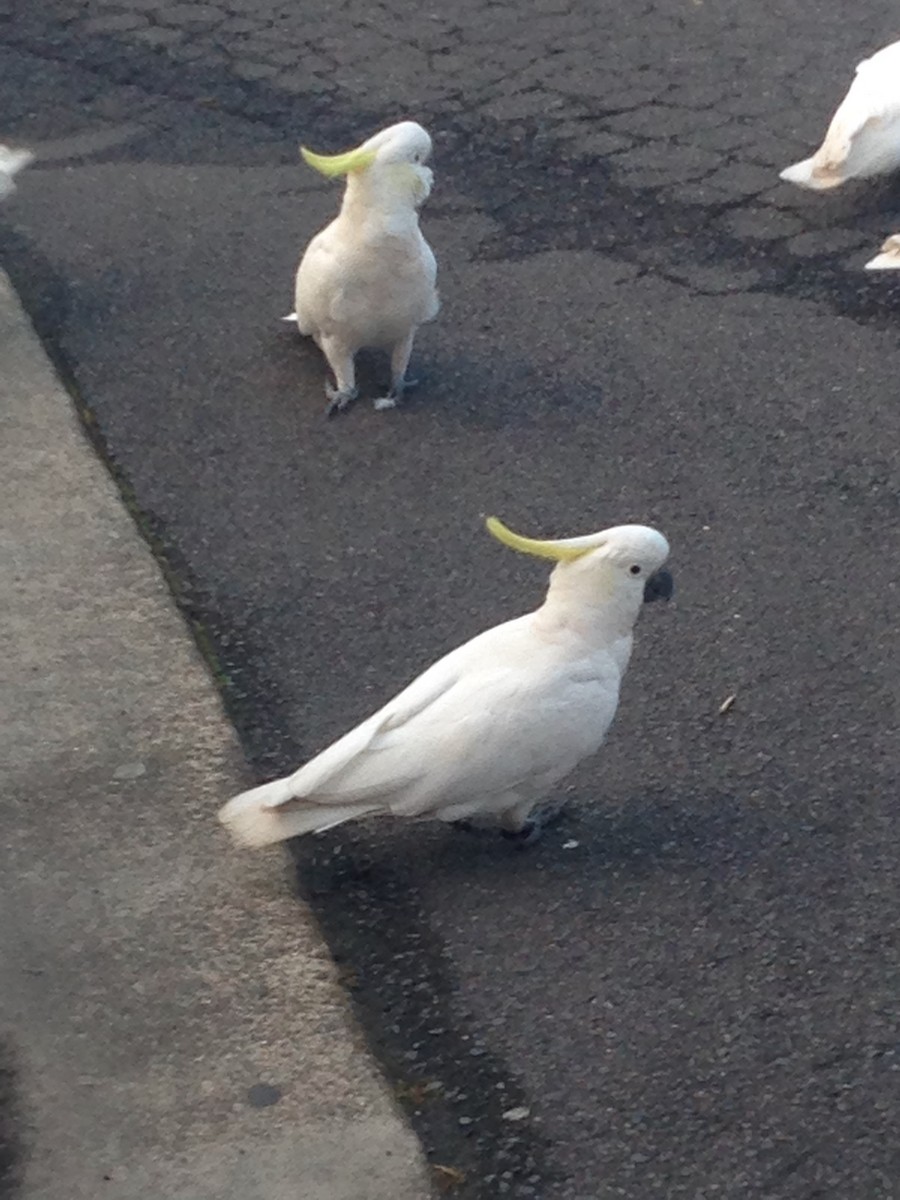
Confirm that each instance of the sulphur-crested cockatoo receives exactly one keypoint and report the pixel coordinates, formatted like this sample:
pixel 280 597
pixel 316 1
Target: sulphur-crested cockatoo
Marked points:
pixel 368 279
pixel 889 258
pixel 11 162
pixel 863 138
pixel 487 731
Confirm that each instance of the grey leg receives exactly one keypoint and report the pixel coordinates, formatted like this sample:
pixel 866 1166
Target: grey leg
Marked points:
pixel 340 359
pixel 399 362
pixel 531 832
pixel 526 825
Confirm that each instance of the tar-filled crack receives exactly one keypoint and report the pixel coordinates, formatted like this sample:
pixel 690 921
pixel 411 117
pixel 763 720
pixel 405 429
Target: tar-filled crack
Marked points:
pixel 541 194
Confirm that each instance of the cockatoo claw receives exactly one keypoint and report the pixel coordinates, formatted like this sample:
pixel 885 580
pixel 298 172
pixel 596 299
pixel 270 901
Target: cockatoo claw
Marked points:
pixel 541 819
pixel 337 399
pixel 395 395
pixel 531 832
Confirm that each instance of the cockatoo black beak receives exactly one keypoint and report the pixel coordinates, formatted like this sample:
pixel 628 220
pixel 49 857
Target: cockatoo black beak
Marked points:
pixel 660 586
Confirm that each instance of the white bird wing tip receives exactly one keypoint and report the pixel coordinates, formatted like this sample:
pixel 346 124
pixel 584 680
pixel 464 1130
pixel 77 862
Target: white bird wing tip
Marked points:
pixel 251 817
pixel 254 820
pixel 799 173
pixel 804 175
pixel 12 161
pixel 247 830
pixel 884 262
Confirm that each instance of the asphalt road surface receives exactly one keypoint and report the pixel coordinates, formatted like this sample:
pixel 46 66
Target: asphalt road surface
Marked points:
pixel 640 323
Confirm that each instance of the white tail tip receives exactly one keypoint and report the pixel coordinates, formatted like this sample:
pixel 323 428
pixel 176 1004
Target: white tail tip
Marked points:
pixel 804 175
pixel 271 813
pixel 889 258
pixel 11 163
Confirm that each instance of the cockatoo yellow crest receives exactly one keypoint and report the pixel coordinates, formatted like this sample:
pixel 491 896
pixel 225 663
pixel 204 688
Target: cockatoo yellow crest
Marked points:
pixel 333 165
pixel 562 550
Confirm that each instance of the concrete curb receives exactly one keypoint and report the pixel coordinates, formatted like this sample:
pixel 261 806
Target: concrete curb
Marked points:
pixel 169 1013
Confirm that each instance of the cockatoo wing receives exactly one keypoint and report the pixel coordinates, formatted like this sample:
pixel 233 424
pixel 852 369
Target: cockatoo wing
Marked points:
pixel 319 279
pixel 477 726
pixel 869 108
pixel 321 776
pixel 493 741
pixel 297 803
pixel 863 137
pixel 430 267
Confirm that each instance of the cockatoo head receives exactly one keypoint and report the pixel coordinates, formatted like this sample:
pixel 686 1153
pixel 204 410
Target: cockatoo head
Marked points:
pixel 621 566
pixel 393 161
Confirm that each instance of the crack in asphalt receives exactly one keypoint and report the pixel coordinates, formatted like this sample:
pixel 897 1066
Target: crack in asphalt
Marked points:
pixel 546 194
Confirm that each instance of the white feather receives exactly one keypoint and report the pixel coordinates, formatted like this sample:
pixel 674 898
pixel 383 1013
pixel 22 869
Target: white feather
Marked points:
pixel 11 162
pixel 889 257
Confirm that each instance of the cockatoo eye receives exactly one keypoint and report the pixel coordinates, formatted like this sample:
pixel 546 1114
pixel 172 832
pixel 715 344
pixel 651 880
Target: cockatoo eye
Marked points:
pixel 635 570
pixel 417 158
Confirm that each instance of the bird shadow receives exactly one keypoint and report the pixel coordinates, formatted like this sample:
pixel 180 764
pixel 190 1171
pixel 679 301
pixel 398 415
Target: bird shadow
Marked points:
pixel 655 833
pixel 379 891
pixel 452 386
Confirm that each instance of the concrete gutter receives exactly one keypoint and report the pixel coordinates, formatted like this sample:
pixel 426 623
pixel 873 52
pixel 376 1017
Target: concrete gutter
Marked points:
pixel 170 1020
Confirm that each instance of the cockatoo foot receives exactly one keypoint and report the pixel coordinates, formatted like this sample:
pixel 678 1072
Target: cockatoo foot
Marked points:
pixel 338 399
pixel 548 813
pixel 395 395
pixel 531 832
pixel 541 819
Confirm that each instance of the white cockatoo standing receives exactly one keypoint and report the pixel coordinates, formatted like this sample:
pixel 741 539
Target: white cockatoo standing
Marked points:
pixel 368 278
pixel 889 257
pixel 11 162
pixel 488 730
pixel 863 138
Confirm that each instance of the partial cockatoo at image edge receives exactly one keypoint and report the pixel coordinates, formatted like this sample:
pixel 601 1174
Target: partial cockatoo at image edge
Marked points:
pixel 863 138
